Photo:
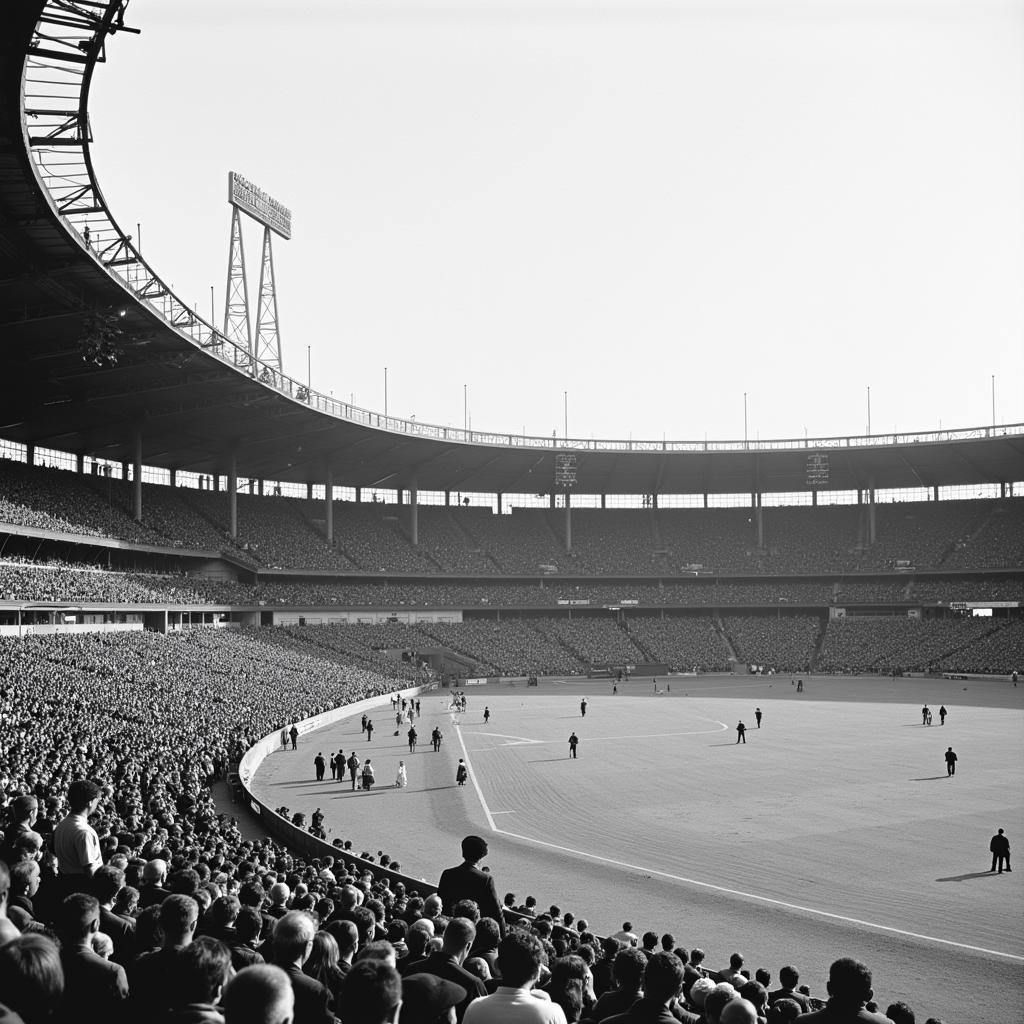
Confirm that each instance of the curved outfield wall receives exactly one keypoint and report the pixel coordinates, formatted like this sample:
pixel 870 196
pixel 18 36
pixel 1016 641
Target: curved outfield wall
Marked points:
pixel 298 839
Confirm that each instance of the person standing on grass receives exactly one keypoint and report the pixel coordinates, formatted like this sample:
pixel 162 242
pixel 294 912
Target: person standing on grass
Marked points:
pixel 999 847
pixel 942 715
pixel 757 715
pixel 461 773
pixel 369 731
pixel 293 732
pixel 353 767
pixel 573 744
pixel 950 761
pixel 319 766
pixel 583 707
pixel 402 779
pixel 435 739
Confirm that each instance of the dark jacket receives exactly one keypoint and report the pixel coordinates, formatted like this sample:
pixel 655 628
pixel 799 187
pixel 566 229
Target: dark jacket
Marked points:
pixel 644 1011
pixel 92 983
pixel 312 1000
pixel 443 966
pixel 468 882
pixel 122 933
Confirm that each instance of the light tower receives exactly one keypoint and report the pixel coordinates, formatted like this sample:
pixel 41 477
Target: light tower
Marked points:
pixel 264 344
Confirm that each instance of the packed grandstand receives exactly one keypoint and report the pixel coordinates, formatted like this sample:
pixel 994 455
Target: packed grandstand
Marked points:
pixel 152 632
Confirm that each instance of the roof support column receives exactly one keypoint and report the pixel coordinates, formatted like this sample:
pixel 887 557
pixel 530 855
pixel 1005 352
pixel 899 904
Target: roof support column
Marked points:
pixel 329 502
pixel 359 494
pixel 501 502
pixel 125 475
pixel 935 492
pixel 1002 488
pixel 414 524
pixel 447 498
pixel 137 476
pixel 233 496
pixel 871 510
pixel 30 454
pixel 260 486
pixel 568 523
pixel 814 499
pixel 759 515
pixel 79 463
pixel 309 492
pixel 705 499
pixel 551 500
pixel 603 497
pixel 174 478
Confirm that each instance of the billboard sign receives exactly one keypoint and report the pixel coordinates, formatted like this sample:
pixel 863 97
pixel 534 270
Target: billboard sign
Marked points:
pixel 252 200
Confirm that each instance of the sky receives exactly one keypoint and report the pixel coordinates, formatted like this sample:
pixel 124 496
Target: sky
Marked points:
pixel 623 214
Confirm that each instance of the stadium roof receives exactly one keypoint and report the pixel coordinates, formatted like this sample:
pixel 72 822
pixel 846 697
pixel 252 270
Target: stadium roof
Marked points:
pixel 195 398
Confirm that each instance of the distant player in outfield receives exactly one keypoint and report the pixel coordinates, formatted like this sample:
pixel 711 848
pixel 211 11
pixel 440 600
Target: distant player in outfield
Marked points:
pixel 942 715
pixel 757 715
pixel 487 715
pixel 924 715
pixel 950 761
pixel 435 739
pixel 461 773
pixel 999 847
pixel 574 741
pixel 583 707
pixel 741 733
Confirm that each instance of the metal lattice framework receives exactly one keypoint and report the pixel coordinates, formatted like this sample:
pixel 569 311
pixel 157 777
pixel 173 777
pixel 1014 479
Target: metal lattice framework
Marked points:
pixel 70 39
pixel 236 294
pixel 268 335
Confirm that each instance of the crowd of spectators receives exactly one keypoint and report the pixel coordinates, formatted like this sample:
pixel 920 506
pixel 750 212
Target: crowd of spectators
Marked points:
pixel 785 643
pixel 26 580
pixel 895 643
pixel 372 537
pixel 999 652
pixel 685 643
pixel 125 895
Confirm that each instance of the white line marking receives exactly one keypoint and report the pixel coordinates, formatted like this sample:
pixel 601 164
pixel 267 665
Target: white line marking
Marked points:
pixel 716 888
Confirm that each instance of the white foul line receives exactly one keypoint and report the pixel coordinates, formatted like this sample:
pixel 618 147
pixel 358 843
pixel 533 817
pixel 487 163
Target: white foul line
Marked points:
pixel 716 888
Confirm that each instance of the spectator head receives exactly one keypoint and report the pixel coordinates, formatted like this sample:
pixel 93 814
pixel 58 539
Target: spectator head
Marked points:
pixel 756 993
pixel 279 894
pixel 261 994
pixel 738 1011
pixel 420 933
pixel 784 1011
pixel 293 938
pixel 428 999
pixel 697 956
pixel 509 900
pixel 347 937
pixel 668 942
pixel 83 795
pixel 24 810
pixel 380 950
pixel 458 938
pixel 252 894
pixel 25 878
pixel 520 957
pixel 78 918
pixel 178 918
pixel 155 872
pixel 849 982
pixel 365 924
pixel 663 977
pixel 107 883
pixel 488 934
pixel 468 909
pixel 102 945
pixel 650 940
pixel 432 905
pixel 763 976
pixel 478 967
pixel 248 924
pixel 700 990
pixel 789 977
pixel 31 977
pixel 201 971
pixel 715 1002
pixel 372 993
pixel 474 848
pixel 225 910
pixel 628 969
pixel 900 1013
pixel 735 961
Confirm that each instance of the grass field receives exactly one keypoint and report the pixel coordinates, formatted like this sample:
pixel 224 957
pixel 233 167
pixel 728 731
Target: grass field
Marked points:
pixel 833 831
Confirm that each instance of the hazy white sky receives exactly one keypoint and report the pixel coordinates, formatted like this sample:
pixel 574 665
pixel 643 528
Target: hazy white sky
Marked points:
pixel 655 206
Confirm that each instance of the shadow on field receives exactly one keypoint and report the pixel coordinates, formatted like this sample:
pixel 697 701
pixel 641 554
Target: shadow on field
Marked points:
pixel 964 878
pixel 541 760
pixel 932 778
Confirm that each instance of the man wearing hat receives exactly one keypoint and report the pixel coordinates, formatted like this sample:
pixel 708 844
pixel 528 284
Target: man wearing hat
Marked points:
pixel 468 882
pixel 428 999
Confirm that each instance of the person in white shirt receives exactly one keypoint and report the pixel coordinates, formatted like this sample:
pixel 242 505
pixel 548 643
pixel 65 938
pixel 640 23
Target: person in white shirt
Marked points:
pixel 75 841
pixel 520 956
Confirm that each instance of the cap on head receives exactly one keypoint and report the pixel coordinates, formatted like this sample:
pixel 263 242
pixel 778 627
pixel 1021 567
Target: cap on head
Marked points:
pixel 427 996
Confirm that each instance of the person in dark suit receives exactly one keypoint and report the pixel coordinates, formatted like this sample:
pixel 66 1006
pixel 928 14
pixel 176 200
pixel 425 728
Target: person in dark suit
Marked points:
pixel 467 881
pixel 319 766
pixel 94 988
pixel 999 847
pixel 107 883
pixel 447 963
pixel 293 942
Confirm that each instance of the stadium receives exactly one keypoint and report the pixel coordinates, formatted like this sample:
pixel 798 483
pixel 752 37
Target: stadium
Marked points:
pixel 211 573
